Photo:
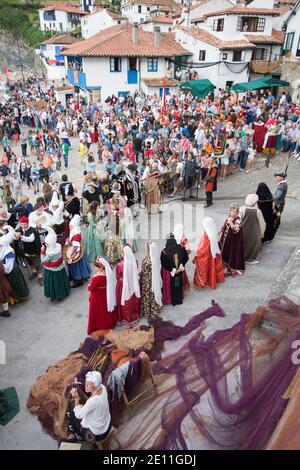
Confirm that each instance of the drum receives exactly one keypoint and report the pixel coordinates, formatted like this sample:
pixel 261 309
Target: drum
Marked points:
pixel 67 251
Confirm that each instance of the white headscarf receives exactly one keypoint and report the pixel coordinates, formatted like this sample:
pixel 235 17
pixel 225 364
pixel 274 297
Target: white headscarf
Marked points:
pixel 156 282
pixel 5 242
pixel 75 226
pixel 111 283
pixel 128 231
pixel 95 377
pixel 53 248
pixel 131 283
pixel 178 233
pixel 211 231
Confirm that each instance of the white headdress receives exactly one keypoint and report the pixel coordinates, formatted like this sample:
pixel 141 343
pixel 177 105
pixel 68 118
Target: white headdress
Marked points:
pixel 95 377
pixel 53 247
pixel 212 233
pixel 111 283
pixel 178 233
pixel 131 283
pixel 156 281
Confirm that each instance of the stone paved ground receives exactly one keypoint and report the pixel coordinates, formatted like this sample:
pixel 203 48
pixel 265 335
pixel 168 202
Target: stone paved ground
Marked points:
pixel 39 332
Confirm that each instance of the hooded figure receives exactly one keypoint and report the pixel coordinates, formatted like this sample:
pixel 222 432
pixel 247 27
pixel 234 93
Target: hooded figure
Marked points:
pixel 254 227
pixel 128 287
pixel 56 281
pixel 151 282
pixel 80 270
pixel 208 260
pixel 19 288
pixel 103 314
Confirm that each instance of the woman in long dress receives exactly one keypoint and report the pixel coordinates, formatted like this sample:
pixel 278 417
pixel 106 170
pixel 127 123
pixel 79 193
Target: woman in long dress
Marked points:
pixel 115 207
pixel 103 314
pixel 254 227
pixel 56 281
pixel 259 134
pixel 153 196
pixel 79 271
pixel 14 274
pixel 92 242
pixel 173 260
pixel 179 234
pixel 266 205
pixel 232 243
pixel 128 288
pixel 127 230
pixel 151 283
pixel 208 260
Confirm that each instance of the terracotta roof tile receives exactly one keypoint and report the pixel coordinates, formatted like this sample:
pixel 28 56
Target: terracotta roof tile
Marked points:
pixel 278 35
pixel 61 39
pixel 159 82
pixel 116 41
pixel 205 36
pixel 261 39
pixel 68 9
pixel 237 10
pixel 159 19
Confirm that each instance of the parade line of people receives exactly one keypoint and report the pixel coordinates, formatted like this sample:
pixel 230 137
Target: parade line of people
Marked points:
pixel 142 155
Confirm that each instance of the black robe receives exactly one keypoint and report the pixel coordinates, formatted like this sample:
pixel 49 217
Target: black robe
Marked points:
pixel 176 281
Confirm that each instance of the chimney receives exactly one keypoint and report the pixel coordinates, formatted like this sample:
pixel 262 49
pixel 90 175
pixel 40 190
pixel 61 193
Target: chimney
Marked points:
pixel 157 36
pixel 135 33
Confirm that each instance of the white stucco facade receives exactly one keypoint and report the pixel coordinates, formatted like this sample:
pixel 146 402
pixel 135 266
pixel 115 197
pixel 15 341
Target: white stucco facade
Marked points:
pixel 164 28
pixel 98 21
pixel 136 13
pixel 58 20
pixel 292 33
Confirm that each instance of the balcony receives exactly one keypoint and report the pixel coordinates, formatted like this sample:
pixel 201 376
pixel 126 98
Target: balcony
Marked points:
pixel 76 78
pixel 132 77
pixel 265 66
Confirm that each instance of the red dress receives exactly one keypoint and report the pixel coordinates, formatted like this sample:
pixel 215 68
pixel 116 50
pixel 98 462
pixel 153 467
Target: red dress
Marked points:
pixel 129 312
pixel 99 317
pixel 209 271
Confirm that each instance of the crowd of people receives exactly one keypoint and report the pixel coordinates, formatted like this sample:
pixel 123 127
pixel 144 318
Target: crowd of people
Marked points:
pixel 132 156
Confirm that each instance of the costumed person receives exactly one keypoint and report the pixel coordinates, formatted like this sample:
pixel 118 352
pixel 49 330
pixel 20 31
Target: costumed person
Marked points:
pixel 19 288
pixel 127 230
pixel 72 205
pixel 39 219
pixel 5 291
pixel 279 196
pixel 151 283
pixel 56 281
pixel 79 271
pixel 266 205
pixel 91 420
pixel 269 145
pixel 132 186
pixel 173 260
pixel 115 207
pixel 153 195
pixel 128 288
pixel 92 242
pixel 29 239
pixel 254 227
pixel 259 134
pixel 183 241
pixel 211 181
pixel 208 259
pixel 103 314
pixel 58 224
pixel 231 241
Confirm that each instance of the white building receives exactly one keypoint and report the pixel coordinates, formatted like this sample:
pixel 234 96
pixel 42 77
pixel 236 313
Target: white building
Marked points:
pixel 51 55
pixel 138 11
pixel 120 59
pixel 291 49
pixel 165 23
pixel 60 18
pixel 100 20
pixel 235 44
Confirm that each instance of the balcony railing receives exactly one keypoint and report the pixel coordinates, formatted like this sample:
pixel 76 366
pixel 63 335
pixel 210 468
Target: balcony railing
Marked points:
pixel 76 78
pixel 264 66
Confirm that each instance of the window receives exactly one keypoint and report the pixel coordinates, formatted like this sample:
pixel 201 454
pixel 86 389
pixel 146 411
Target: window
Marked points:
pixel 260 54
pixel 228 84
pixel 224 56
pixel 153 64
pixel 139 9
pixel 289 39
pixel 202 55
pixel 237 56
pixel 115 64
pixel 218 24
pixel 148 8
pixel 261 25
pixel 298 48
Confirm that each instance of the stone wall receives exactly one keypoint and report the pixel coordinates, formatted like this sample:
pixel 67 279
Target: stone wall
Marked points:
pixel 291 73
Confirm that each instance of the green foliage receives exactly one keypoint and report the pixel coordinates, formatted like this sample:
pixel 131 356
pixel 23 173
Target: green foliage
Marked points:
pixel 20 20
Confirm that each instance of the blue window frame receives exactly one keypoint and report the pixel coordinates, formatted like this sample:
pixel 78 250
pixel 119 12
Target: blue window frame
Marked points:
pixel 115 64
pixel 153 64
